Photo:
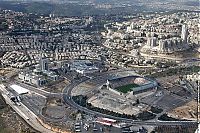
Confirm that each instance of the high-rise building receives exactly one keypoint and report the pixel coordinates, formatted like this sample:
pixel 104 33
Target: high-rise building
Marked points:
pixel 184 33
pixel 151 41
pixel 132 25
pixel 171 46
pixel 174 44
pixel 44 64
pixel 162 45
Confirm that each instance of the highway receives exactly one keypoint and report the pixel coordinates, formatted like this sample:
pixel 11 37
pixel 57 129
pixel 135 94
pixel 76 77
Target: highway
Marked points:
pixel 25 113
pixel 38 90
pixel 68 100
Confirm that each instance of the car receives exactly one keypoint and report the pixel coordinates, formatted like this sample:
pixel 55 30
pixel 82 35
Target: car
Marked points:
pixel 77 127
pixel 78 130
pixel 101 129
pixel 86 128
pixel 18 103
pixel 95 129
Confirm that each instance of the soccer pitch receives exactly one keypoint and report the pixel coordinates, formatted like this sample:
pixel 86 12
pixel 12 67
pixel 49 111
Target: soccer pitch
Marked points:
pixel 126 88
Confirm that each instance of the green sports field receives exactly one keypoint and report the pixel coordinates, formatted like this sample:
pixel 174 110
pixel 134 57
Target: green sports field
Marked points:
pixel 126 88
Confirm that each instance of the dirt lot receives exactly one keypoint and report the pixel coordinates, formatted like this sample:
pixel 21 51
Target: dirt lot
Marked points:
pixel 168 82
pixel 82 89
pixel 57 86
pixel 55 109
pixel 187 111
pixel 4 71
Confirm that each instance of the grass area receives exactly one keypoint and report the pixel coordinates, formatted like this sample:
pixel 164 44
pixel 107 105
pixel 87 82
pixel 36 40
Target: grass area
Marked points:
pixel 126 88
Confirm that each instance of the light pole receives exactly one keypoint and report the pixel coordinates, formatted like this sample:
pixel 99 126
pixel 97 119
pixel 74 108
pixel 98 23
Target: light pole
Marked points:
pixel 198 84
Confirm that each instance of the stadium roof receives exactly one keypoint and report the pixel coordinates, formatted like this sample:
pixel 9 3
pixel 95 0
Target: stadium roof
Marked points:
pixel 122 78
pixel 20 90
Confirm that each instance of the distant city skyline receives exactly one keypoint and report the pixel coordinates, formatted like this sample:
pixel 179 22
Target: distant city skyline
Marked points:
pixel 99 66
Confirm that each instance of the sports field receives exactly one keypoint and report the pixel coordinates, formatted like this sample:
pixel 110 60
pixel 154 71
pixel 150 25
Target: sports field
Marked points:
pixel 126 88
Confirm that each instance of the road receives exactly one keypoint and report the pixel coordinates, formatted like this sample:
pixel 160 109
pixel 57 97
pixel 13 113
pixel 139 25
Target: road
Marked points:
pixel 25 113
pixel 38 90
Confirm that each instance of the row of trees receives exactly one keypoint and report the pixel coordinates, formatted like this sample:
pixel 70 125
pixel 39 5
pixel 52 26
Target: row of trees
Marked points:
pixel 176 71
pixel 3 25
pixel 146 115
pixel 165 117
pixel 156 110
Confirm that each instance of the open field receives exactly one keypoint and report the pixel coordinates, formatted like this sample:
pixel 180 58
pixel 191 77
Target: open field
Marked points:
pixel 126 88
pixel 187 111
pixel 56 87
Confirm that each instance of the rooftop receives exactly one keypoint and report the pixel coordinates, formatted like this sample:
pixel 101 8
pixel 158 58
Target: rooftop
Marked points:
pixel 20 90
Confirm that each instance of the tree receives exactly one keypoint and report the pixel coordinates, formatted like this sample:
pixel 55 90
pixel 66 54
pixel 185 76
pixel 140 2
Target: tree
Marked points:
pixel 138 101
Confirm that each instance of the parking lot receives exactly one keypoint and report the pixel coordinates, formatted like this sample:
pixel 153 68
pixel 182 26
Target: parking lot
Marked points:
pixel 92 127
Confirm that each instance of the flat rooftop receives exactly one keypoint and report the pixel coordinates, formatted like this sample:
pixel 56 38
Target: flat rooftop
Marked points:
pixel 20 90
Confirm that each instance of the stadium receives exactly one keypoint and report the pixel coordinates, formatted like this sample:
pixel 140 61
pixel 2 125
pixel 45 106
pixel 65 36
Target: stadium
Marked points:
pixel 131 84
